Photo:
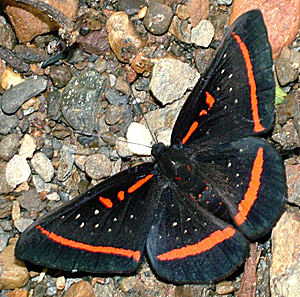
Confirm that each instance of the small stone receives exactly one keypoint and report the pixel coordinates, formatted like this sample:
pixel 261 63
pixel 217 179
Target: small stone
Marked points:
pixel 42 166
pixel 287 136
pixel 4 237
pixel 53 105
pixel 22 223
pixel 122 36
pixel 198 10
pixel 182 12
pixel 14 272
pixel 139 139
pixel 203 33
pixel 171 78
pixel 61 131
pixel 60 75
pixel 10 78
pixel 131 7
pixel 60 283
pixel 53 197
pixel 113 114
pixel 181 29
pixel 80 161
pixel 28 146
pixel 224 288
pixel 122 85
pixel 15 211
pixel 8 37
pixel 9 146
pixel 293 183
pixel 97 166
pixel 224 2
pixel 17 293
pixel 30 54
pixel 40 185
pixel 7 122
pixel 285 71
pixel 67 158
pixel 122 148
pixel 158 18
pixel 285 266
pixel 80 104
pixel 31 201
pixel 17 171
pixel 5 188
pixel 113 97
pixel 14 97
pixel 80 289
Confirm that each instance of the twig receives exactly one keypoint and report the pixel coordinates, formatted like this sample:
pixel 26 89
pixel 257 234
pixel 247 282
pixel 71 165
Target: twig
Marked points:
pixel 12 60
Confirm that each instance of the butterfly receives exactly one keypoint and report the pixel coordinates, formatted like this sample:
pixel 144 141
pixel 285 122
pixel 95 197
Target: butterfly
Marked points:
pixel 195 209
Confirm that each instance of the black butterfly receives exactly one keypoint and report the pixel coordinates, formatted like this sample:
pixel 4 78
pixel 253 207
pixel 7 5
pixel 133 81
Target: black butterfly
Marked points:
pixel 195 208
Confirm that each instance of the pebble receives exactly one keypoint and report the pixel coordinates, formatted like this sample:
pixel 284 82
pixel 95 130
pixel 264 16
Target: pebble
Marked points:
pixel 29 22
pixel 67 158
pixel 158 18
pixel 98 166
pixel 40 185
pixel 9 146
pixel 182 12
pixel 7 122
pixel 60 75
pixel 10 78
pixel 225 287
pixel 8 37
pixel 31 201
pixel 122 85
pixel 122 37
pixel 14 97
pixel 285 71
pixel 282 19
pixel 113 114
pixel 28 146
pixel 17 171
pixel 285 266
pixel 80 103
pixel 4 237
pixel 103 290
pixel 42 166
pixel 293 183
pixel 5 188
pixel 122 148
pixel 139 139
pixel 114 97
pixel 198 10
pixel 80 289
pixel 14 272
pixel 15 211
pixel 53 105
pixel 224 2
pixel 53 197
pixel 30 54
pixel 131 7
pixel 181 29
pixel 203 33
pixel 60 283
pixel 22 223
pixel 171 78
pixel 17 293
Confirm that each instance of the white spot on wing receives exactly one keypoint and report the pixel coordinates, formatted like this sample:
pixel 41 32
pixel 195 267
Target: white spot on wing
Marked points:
pixel 82 225
pixel 96 211
pixel 77 216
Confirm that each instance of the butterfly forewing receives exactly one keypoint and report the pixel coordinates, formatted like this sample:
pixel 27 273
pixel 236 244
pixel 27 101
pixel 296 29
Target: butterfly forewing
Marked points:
pixel 103 230
pixel 234 98
pixel 187 244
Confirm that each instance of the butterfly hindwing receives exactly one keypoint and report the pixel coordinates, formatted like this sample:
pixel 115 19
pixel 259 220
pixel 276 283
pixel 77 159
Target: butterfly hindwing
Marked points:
pixel 249 177
pixel 187 244
pixel 103 230
pixel 234 97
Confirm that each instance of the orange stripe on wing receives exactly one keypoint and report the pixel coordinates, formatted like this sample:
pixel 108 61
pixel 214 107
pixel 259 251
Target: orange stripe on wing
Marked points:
pixel 190 132
pixel 251 80
pixel 106 202
pixel 139 183
pixel 202 246
pixel 136 255
pixel 254 184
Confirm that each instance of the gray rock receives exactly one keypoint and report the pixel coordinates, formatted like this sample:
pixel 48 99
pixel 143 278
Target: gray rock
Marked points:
pixel 40 185
pixel 131 7
pixel 158 18
pixel 98 166
pixel 9 146
pixel 30 54
pixel 14 97
pixel 67 158
pixel 60 75
pixel 42 166
pixel 285 71
pixel 171 78
pixel 181 29
pixel 7 122
pixel 80 103
pixel 31 200
pixel 5 188
pixel 203 33
pixel 114 97
pixel 7 36
pixel 122 148
pixel 293 182
pixel 113 114
pixel 22 223
pixel 4 237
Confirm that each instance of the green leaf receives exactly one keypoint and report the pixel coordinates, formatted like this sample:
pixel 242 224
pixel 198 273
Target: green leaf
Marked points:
pixel 279 95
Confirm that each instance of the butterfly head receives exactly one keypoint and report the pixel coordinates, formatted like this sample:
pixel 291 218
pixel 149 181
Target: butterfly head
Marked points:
pixel 158 149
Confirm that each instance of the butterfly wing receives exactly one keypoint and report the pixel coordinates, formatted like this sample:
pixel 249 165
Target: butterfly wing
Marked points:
pixel 187 244
pixel 234 97
pixel 249 177
pixel 102 230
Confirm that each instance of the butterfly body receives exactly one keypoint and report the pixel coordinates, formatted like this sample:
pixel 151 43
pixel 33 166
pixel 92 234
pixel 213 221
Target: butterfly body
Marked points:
pixel 197 206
